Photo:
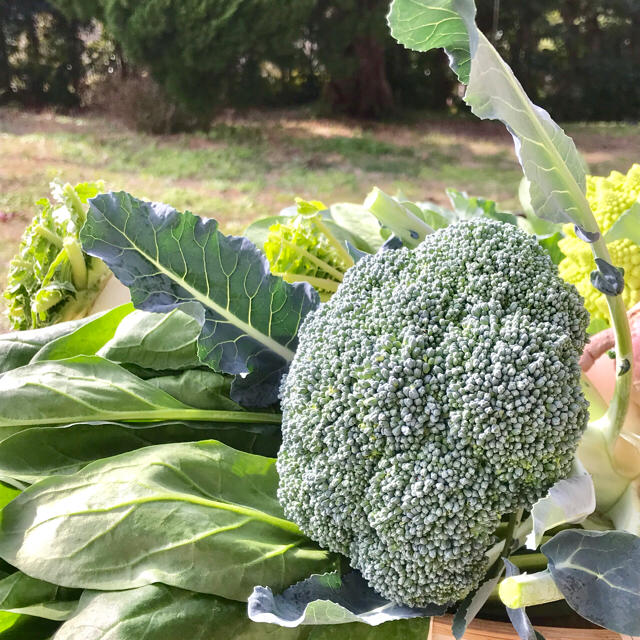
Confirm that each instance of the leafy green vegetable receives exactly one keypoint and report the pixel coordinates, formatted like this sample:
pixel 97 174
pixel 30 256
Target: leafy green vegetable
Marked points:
pixel 194 516
pixel 160 341
pixel 91 388
pixel 159 612
pixel 17 348
pixel 15 626
pixel 51 279
pixel 33 454
pixel 20 593
pixel 86 339
pixel 330 599
pixel 198 388
pixel 549 158
pixel 598 573
pixel 167 258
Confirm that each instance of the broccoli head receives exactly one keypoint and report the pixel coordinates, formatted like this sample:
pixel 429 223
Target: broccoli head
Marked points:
pixel 436 391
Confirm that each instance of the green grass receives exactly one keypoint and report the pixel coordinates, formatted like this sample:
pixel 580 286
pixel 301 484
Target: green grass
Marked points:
pixel 255 165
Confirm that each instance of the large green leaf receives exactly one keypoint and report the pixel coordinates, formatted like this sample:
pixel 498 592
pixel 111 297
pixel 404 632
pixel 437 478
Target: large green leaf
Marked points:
pixel 89 388
pixel 423 25
pixel 598 573
pixel 201 389
pixel 167 258
pixel 548 157
pixel 18 347
pixel 159 612
pixel 33 454
pixel 158 341
pixel 200 516
pixel 20 593
pixel 86 339
pixel 16 626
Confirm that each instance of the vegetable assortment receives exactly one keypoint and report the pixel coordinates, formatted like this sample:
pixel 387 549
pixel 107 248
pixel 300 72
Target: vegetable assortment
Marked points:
pixel 276 437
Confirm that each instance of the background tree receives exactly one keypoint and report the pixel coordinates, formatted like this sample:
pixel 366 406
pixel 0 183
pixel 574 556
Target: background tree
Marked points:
pixel 40 54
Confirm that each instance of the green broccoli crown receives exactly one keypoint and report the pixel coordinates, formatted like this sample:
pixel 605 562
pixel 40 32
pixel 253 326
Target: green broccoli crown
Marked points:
pixel 437 390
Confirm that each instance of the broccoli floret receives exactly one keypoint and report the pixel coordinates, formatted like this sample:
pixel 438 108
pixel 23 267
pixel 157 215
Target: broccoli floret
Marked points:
pixel 437 390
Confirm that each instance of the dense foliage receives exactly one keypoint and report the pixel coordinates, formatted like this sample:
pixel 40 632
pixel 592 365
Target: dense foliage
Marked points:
pixel 207 54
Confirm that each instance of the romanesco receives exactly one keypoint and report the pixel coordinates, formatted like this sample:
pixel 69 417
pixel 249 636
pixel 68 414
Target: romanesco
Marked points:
pixel 609 197
pixel 436 391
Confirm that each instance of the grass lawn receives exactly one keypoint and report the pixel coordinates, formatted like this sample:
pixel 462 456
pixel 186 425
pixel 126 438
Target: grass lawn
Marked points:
pixel 253 165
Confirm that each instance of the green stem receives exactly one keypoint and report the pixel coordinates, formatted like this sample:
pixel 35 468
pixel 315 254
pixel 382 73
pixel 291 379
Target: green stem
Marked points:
pixel 75 202
pixel 617 411
pixel 529 590
pixel 409 228
pixel 530 561
pixel 321 264
pixel 49 235
pixel 335 243
pixel 78 266
pixel 154 415
pixel 318 283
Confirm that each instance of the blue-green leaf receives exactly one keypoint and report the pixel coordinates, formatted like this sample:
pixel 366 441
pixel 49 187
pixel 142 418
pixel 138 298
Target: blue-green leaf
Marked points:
pixel 330 599
pixel 598 573
pixel 167 258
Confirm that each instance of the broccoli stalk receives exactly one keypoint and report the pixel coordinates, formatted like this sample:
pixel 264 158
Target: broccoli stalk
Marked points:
pixel 398 218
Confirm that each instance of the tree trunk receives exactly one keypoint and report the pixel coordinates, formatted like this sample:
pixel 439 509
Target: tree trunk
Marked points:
pixel 367 94
pixel 5 71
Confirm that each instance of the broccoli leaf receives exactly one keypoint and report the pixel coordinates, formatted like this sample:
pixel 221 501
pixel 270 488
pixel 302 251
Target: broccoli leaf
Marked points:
pixel 626 226
pixel 469 608
pixel 330 599
pixel 33 454
pixel 569 501
pixel 598 572
pixel 167 258
pixel 549 158
pixel 423 25
pixel 192 515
